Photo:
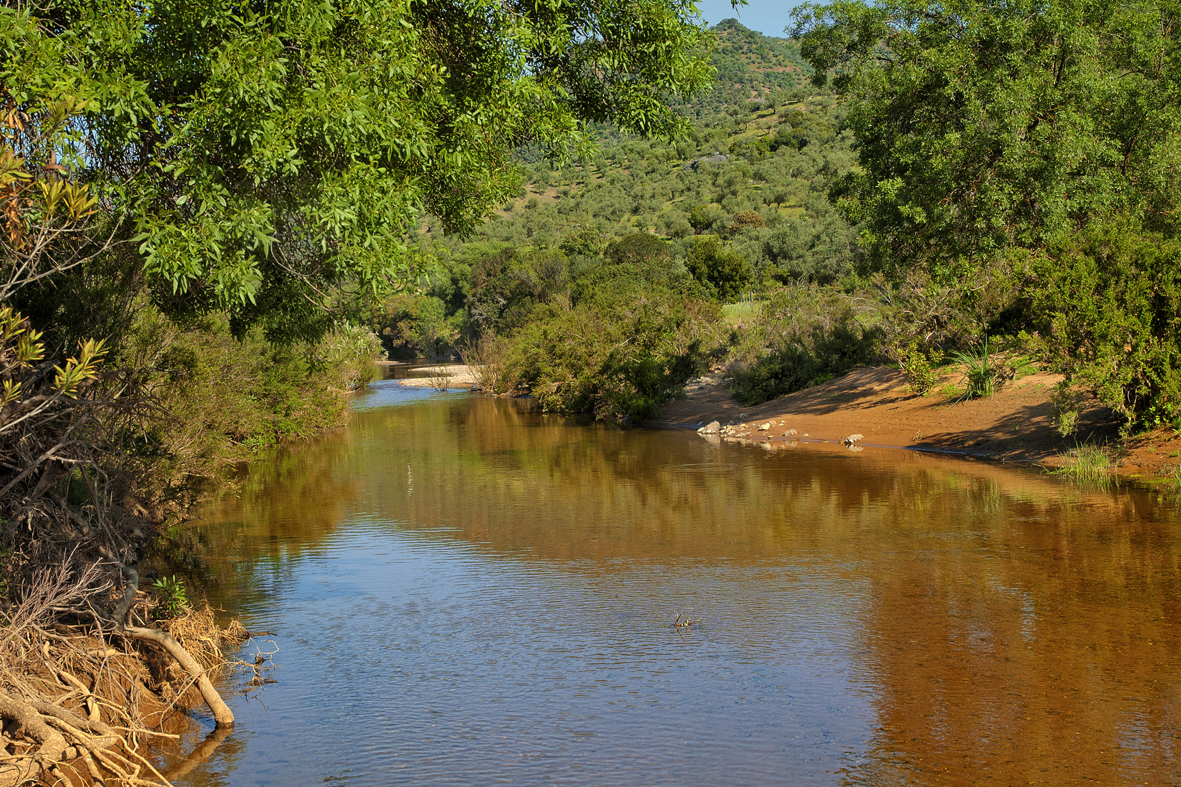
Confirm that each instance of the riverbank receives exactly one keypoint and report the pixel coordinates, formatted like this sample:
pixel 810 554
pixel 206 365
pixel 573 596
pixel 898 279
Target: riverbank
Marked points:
pixel 443 377
pixel 1014 425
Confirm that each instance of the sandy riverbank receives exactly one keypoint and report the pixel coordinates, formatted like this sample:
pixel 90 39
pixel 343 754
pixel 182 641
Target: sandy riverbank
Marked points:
pixel 1016 424
pixel 445 377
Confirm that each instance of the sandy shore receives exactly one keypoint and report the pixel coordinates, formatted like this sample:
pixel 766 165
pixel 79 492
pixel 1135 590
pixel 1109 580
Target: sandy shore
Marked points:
pixel 1015 424
pixel 451 376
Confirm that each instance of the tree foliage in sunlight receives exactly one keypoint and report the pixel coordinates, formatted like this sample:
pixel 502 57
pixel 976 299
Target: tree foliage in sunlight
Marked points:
pixel 1041 134
pixel 266 152
pixel 983 126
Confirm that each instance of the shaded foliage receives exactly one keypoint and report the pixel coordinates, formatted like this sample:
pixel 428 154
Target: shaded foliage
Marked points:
pixel 805 335
pixel 1109 309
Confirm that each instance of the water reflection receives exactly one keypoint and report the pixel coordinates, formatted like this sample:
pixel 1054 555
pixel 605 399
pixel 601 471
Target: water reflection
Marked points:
pixel 469 592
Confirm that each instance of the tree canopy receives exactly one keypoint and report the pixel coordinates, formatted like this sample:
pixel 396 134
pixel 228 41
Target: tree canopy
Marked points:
pixel 258 153
pixel 985 125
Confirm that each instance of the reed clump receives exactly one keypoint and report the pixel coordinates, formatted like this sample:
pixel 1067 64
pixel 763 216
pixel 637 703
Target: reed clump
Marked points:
pixel 1088 464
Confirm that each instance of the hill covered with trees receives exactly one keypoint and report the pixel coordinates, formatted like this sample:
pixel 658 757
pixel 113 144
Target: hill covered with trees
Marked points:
pixel 739 201
pixel 889 187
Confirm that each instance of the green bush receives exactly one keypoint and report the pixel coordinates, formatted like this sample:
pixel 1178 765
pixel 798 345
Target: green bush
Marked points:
pixel 810 248
pixel 1108 307
pixel 1065 403
pixel 639 249
pixel 921 375
pixel 619 358
pixel 804 336
pixel 346 357
pixel 221 398
pixel 172 600
pixel 724 271
pixel 506 287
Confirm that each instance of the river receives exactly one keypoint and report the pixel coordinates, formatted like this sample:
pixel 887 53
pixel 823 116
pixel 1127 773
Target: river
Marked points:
pixel 467 592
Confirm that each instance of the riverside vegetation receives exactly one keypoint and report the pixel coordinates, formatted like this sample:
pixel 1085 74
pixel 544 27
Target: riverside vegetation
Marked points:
pixel 925 185
pixel 215 217
pixel 199 203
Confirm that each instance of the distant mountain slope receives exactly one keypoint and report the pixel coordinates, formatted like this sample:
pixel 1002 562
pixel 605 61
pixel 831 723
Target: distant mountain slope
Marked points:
pixel 749 66
pixel 749 180
pixel 764 141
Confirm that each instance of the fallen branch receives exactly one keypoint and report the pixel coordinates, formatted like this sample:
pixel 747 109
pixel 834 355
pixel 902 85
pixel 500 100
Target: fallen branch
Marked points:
pixel 222 714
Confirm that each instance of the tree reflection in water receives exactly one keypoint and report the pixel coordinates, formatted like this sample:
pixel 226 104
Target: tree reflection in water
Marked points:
pixel 1003 627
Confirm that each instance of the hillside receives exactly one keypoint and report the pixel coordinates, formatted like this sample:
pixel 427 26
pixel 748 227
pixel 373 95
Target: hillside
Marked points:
pixel 755 171
pixel 750 66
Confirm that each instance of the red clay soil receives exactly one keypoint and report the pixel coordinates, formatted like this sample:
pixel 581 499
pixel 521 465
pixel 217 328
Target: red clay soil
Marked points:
pixel 1015 424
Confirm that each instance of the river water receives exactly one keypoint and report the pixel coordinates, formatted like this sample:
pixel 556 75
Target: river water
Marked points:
pixel 466 592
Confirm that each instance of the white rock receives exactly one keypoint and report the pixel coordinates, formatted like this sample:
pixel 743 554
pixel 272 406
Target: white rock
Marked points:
pixel 711 428
pixel 852 439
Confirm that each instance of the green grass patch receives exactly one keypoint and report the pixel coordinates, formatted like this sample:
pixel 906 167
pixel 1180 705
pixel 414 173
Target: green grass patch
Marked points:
pixel 743 309
pixel 1022 367
pixel 1087 464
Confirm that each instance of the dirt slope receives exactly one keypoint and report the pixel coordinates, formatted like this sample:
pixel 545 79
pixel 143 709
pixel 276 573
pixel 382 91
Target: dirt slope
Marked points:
pixel 1015 424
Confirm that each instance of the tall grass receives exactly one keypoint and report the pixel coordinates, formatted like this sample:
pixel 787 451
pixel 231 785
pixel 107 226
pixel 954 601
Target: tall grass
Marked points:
pixel 1087 464
pixel 980 373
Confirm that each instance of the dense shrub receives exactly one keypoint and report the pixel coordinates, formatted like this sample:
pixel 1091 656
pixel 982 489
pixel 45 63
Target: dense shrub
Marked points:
pixel 803 336
pixel 619 358
pixel 640 250
pixel 725 272
pixel 222 398
pixel 418 326
pixel 1109 311
pixel 936 317
pixel 345 356
pixel 808 249
pixel 745 220
pixel 505 287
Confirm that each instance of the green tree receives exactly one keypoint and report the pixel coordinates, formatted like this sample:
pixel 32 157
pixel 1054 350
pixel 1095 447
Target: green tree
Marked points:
pixel 1046 132
pixel 983 126
pixel 639 249
pixel 724 271
pixel 265 152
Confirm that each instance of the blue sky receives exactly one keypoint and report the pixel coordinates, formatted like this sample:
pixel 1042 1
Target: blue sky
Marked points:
pixel 769 17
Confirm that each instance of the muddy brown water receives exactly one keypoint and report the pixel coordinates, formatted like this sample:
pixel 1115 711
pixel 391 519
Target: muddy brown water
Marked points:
pixel 465 592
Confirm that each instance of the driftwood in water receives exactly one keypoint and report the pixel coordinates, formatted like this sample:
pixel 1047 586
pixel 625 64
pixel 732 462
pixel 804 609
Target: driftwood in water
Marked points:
pixel 75 700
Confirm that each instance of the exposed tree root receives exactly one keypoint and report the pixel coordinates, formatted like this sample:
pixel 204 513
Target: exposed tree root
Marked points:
pixel 77 702
pixel 221 712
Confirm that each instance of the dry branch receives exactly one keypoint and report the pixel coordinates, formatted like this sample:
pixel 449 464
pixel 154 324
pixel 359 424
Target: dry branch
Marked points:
pixel 72 703
pixel 221 712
